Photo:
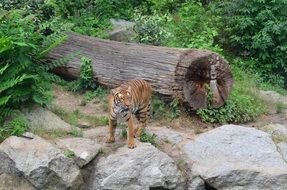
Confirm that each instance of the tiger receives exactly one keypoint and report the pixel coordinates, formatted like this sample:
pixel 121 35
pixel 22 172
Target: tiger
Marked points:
pixel 130 98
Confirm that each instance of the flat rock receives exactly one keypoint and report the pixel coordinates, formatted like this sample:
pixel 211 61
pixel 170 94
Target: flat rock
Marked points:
pixel 235 157
pixel 276 130
pixel 100 134
pixel 85 149
pixel 38 161
pixel 42 119
pixel 273 97
pixel 122 30
pixel 164 134
pixel 142 168
pixel 11 182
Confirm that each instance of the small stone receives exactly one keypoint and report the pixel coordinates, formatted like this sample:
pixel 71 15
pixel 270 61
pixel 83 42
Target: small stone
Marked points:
pixel 28 135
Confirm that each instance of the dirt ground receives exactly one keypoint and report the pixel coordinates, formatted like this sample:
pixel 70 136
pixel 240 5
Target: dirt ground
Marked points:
pixel 71 102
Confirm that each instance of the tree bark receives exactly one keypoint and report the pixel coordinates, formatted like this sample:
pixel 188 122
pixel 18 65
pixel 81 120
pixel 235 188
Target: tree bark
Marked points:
pixel 196 77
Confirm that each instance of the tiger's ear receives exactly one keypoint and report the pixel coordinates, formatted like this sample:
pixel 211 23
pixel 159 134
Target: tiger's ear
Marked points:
pixel 113 91
pixel 129 90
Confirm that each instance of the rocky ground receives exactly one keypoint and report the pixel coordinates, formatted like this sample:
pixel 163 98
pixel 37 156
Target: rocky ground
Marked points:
pixel 66 149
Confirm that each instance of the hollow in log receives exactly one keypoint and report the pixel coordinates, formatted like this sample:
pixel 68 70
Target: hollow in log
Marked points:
pixel 194 76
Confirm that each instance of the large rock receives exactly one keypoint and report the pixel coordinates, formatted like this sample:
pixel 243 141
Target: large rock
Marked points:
pixel 164 134
pixel 11 182
pixel 141 168
pixel 273 97
pixel 85 149
pixel 122 30
pixel 234 157
pixel 100 134
pixel 42 119
pixel 43 165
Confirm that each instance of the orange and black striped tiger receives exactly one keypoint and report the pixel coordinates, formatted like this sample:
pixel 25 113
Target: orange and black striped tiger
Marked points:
pixel 130 98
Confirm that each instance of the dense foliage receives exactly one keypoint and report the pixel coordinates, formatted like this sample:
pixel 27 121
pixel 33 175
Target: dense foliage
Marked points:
pixel 22 76
pixel 258 30
pixel 251 34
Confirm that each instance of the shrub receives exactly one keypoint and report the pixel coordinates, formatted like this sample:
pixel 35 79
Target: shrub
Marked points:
pixel 16 126
pixel 150 29
pixel 85 80
pixel 22 76
pixel 257 29
pixel 194 26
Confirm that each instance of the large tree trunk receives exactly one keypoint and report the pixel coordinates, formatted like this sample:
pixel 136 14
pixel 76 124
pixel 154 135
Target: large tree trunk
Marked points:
pixel 197 77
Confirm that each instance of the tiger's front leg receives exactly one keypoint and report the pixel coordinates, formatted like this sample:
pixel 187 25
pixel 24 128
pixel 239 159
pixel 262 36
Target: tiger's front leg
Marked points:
pixel 131 140
pixel 112 126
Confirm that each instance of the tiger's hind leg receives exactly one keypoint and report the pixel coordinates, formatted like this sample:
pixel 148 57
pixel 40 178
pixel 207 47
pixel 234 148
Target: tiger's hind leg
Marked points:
pixel 142 115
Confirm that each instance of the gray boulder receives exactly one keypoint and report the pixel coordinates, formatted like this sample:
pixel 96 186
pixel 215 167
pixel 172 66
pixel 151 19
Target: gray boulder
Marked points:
pixel 85 149
pixel 100 134
pixel 141 168
pixel 234 157
pixel 164 134
pixel 122 30
pixel 273 97
pixel 42 119
pixel 37 160
pixel 11 182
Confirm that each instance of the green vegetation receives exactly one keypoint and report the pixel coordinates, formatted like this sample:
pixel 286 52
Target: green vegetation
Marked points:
pixel 250 34
pixel 162 111
pixel 147 137
pixel 85 80
pixel 256 30
pixel 16 126
pixel 280 107
pixel 76 116
pixel 243 105
pixel 69 153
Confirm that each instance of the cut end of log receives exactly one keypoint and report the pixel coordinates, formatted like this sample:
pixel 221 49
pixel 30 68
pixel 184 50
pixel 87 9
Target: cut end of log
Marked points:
pixel 208 79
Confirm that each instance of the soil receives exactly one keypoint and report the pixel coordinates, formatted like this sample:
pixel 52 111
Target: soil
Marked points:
pixel 192 125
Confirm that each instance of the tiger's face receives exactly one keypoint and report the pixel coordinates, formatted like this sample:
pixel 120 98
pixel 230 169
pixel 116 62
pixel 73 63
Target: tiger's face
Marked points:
pixel 122 99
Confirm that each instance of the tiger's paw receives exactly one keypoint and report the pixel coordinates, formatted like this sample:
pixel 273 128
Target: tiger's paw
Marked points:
pixel 131 145
pixel 111 140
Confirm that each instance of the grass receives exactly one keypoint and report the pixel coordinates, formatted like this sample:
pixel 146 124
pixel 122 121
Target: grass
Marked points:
pixel 17 126
pixel 69 153
pixel 279 138
pixel 56 133
pixel 74 117
pixel 280 107
pixel 147 137
pixel 181 164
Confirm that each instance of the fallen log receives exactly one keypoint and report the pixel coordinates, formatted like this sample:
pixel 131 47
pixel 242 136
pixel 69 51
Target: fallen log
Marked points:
pixel 196 77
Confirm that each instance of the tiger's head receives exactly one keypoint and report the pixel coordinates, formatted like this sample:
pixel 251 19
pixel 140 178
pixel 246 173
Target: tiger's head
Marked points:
pixel 122 99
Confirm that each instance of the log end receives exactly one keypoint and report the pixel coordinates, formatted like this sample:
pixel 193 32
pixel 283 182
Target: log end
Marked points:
pixel 208 79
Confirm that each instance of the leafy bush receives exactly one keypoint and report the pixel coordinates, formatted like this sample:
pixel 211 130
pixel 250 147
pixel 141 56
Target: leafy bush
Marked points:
pixel 150 29
pixel 16 126
pixel 22 76
pixel 85 80
pixel 195 26
pixel 164 110
pixel 147 137
pixel 257 29
pixel 243 104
